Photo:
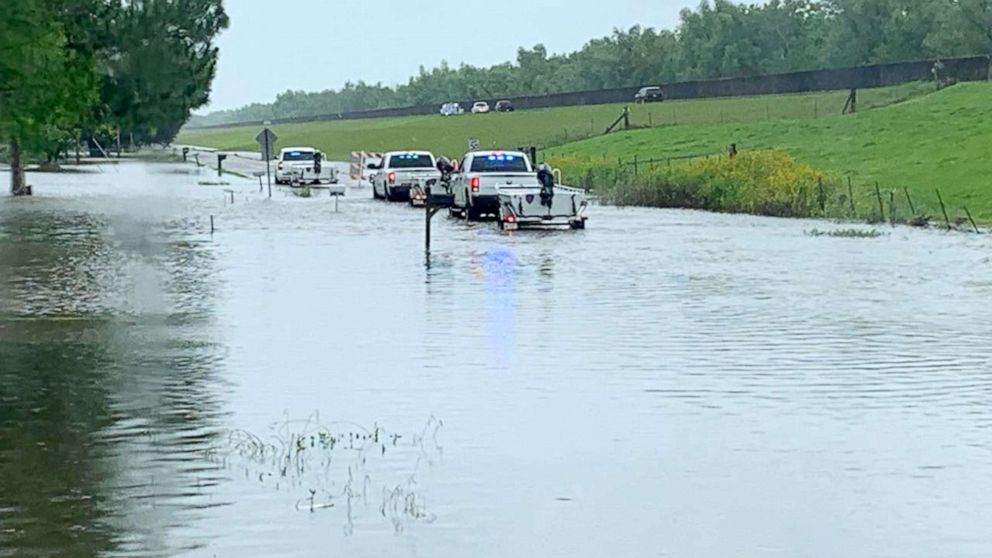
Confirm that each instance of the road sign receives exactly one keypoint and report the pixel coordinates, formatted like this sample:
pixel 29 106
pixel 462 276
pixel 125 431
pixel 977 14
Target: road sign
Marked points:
pixel 474 144
pixel 266 139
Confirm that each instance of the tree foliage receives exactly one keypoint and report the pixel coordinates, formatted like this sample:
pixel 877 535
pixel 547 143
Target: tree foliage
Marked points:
pixel 720 38
pixel 71 68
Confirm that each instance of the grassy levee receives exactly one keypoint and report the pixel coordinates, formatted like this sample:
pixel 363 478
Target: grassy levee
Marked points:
pixel 543 128
pixel 942 140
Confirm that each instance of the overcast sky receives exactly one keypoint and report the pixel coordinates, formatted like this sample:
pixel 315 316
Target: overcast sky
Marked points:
pixel 312 45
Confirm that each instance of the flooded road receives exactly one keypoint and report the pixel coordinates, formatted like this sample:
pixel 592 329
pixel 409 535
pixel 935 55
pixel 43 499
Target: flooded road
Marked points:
pixel 300 384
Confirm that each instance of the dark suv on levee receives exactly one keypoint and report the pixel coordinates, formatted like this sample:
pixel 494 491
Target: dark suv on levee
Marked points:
pixel 649 95
pixel 505 106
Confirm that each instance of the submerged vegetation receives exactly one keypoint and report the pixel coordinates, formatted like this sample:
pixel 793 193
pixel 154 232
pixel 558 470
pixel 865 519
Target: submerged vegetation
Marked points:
pixel 340 467
pixel 845 233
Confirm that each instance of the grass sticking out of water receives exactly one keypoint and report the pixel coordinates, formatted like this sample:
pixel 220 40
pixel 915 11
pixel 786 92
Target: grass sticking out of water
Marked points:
pixel 846 233
pixel 338 466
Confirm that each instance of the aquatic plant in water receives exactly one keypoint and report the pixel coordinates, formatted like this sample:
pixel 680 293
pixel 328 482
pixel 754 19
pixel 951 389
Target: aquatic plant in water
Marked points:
pixel 845 233
pixel 313 458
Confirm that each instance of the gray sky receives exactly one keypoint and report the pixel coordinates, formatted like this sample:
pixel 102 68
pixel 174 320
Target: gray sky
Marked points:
pixel 312 45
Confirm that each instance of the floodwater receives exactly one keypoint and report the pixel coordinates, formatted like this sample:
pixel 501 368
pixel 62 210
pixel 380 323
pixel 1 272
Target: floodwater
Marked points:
pixel 301 384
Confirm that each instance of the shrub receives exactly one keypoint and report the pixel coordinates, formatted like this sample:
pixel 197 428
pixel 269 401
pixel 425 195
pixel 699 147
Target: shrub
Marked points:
pixel 760 182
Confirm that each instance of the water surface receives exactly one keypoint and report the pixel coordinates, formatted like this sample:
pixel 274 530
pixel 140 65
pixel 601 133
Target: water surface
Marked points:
pixel 664 383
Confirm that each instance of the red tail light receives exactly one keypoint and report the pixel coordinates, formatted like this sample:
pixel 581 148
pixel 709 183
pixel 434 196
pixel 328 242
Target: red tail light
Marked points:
pixel 510 219
pixel 392 178
pixel 474 183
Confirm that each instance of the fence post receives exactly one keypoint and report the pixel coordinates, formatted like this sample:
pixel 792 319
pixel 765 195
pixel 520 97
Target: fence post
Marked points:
pixel 909 198
pixel 881 206
pixel 943 208
pixel 850 195
pixel 972 219
pixel 892 208
pixel 635 165
pixel 822 196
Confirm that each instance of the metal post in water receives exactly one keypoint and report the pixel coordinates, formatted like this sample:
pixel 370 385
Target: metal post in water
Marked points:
pixel 268 164
pixel 211 225
pixel 427 226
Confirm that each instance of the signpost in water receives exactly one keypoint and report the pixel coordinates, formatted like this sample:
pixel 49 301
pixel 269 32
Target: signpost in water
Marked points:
pixel 266 139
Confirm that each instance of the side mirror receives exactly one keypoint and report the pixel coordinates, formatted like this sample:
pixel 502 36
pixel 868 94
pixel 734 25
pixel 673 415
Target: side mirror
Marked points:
pixel 373 166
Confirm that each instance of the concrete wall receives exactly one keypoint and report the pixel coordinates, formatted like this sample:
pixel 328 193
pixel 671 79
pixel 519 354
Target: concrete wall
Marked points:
pixel 978 68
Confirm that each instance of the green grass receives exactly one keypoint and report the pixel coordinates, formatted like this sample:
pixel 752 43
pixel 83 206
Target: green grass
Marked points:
pixel 943 140
pixel 543 128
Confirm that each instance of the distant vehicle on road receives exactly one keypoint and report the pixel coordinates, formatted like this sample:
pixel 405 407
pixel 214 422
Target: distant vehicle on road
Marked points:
pixel 451 109
pixel 480 107
pixel 505 106
pixel 483 175
pixel 649 95
pixel 304 165
pixel 400 171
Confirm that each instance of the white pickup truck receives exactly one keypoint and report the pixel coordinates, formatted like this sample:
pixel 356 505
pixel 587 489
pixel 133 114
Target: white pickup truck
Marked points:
pixel 483 175
pixel 304 165
pixel 400 171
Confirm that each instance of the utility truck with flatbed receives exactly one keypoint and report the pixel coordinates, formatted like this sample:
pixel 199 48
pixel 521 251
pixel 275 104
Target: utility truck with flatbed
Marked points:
pixel 304 165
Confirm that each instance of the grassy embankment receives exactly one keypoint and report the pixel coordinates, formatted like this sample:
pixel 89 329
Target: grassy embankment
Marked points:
pixel 544 128
pixel 942 140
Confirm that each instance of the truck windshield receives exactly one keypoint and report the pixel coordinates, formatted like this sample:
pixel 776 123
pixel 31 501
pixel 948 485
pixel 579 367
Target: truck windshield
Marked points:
pixel 411 161
pixel 500 163
pixel 298 156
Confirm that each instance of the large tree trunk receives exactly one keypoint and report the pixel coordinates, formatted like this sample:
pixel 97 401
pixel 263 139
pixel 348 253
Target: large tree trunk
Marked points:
pixel 17 186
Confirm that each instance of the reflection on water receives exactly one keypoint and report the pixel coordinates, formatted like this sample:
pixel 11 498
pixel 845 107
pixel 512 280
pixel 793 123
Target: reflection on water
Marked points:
pixel 662 384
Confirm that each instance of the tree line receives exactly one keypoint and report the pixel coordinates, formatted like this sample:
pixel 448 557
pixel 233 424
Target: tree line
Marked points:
pixel 718 39
pixel 72 69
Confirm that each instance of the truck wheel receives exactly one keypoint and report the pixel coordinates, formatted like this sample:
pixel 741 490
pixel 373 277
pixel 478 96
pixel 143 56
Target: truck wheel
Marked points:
pixel 375 193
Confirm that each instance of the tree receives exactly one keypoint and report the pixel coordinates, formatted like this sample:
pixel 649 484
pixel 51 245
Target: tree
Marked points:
pixel 47 84
pixel 69 66
pixel 161 65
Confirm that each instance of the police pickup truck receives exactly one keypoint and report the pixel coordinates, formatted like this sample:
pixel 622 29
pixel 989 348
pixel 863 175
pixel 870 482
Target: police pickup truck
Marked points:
pixel 400 171
pixel 483 175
